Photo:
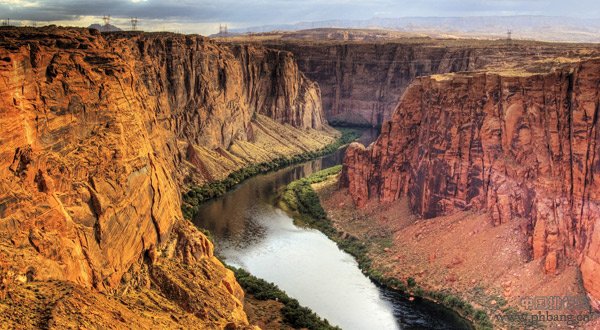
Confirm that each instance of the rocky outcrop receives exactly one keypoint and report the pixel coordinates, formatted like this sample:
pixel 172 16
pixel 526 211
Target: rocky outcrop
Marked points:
pixel 362 81
pixel 94 141
pixel 214 91
pixel 512 144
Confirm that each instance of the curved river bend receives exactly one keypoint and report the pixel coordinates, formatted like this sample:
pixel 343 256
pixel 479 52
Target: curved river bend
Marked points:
pixel 252 233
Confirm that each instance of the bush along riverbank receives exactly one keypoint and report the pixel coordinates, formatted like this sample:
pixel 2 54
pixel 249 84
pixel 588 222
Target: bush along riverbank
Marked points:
pixel 301 200
pixel 199 194
pixel 294 315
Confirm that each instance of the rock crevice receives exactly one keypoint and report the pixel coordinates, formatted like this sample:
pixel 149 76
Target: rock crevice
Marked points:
pixel 512 145
pixel 95 129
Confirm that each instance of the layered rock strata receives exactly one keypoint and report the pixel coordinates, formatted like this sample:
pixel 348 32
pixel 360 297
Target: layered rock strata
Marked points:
pixel 362 80
pixel 511 144
pixel 95 149
pixel 361 83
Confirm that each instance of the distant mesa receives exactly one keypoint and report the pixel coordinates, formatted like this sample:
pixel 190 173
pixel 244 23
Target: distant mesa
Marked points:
pixel 545 28
pixel 224 35
pixel 105 28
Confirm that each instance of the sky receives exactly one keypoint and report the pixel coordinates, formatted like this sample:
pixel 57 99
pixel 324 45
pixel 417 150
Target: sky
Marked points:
pixel 204 17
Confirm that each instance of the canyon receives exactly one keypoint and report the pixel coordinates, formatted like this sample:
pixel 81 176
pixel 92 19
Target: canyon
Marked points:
pixel 101 134
pixel 503 127
pixel 516 145
pixel 363 73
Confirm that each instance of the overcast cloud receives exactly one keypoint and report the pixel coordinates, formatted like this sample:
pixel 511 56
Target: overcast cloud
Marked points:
pixel 203 16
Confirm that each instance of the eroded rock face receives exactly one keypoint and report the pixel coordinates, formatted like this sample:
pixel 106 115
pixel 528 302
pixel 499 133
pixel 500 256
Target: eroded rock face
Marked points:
pixel 214 91
pixel 362 81
pixel 92 147
pixel 514 146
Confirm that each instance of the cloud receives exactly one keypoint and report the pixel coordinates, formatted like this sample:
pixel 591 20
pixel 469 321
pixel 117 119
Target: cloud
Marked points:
pixel 190 13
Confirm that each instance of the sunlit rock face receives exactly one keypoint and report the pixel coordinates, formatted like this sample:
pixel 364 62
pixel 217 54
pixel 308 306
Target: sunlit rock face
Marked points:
pixel 514 145
pixel 362 74
pixel 94 146
pixel 361 82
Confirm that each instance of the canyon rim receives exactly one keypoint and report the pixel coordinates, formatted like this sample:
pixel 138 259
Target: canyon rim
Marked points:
pixel 466 185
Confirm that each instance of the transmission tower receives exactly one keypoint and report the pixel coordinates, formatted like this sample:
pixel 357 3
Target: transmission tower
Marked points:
pixel 134 22
pixel 222 29
pixel 106 20
pixel 6 22
pixel 509 37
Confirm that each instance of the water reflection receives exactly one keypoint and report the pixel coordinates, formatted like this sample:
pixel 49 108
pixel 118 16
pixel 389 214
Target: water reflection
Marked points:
pixel 233 218
pixel 252 233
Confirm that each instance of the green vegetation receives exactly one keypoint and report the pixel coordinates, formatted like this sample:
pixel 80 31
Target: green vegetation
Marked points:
pixel 300 198
pixel 342 123
pixel 199 194
pixel 207 233
pixel 293 313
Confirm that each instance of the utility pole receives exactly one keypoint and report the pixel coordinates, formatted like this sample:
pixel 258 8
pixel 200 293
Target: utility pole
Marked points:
pixel 134 22
pixel 222 29
pixel 509 37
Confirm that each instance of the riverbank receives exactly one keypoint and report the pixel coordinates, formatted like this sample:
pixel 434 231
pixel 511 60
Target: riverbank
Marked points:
pixel 200 194
pixel 461 261
pixel 301 198
pixel 271 308
pixel 265 304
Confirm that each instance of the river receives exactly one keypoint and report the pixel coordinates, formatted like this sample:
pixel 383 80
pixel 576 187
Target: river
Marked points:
pixel 251 232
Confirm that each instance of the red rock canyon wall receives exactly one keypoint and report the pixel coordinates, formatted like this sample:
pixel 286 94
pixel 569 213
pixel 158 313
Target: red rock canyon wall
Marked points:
pixel 523 145
pixel 94 130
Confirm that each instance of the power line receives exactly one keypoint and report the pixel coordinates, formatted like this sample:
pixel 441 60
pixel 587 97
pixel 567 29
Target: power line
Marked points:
pixel 223 29
pixel 134 22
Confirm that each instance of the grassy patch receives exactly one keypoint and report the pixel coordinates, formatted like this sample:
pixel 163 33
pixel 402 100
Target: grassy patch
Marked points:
pixel 300 198
pixel 293 313
pixel 200 194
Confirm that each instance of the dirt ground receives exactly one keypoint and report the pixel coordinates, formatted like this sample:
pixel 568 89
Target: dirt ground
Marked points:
pixel 490 267
pixel 264 313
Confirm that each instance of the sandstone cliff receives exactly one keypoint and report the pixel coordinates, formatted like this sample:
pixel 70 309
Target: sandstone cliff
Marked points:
pixel 512 144
pixel 362 81
pixel 95 147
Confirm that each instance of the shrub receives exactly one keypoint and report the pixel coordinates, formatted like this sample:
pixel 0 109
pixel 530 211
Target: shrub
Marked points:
pixel 480 315
pixel 294 314
pixel 200 194
pixel 303 200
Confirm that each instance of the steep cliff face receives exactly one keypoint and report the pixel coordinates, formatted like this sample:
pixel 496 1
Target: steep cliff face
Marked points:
pixel 512 145
pixel 218 100
pixel 361 81
pixel 215 91
pixel 95 130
